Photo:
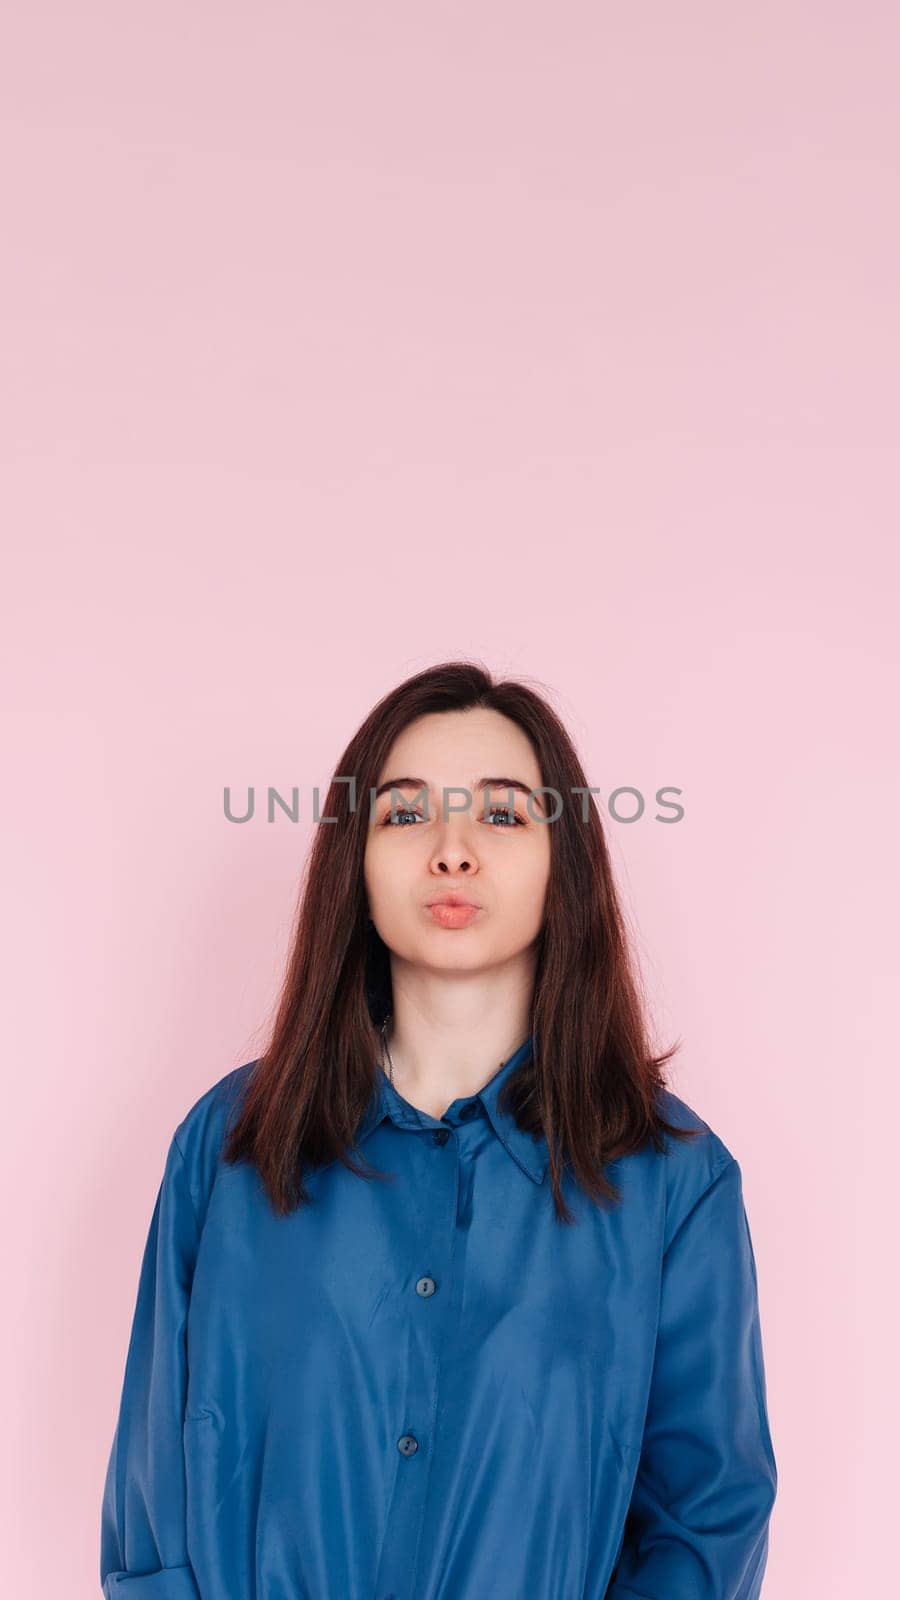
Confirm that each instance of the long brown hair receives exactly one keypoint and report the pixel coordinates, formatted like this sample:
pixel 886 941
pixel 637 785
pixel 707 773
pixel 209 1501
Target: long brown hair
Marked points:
pixel 591 1083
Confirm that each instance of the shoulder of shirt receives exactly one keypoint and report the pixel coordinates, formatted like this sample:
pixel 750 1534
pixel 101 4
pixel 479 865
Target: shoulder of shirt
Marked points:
pixel 692 1166
pixel 200 1135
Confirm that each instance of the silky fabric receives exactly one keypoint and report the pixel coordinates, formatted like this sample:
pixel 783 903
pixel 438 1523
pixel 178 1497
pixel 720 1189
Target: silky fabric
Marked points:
pixel 426 1388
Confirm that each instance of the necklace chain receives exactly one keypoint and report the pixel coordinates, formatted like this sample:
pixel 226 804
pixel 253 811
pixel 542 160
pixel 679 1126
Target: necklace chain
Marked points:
pixel 386 1049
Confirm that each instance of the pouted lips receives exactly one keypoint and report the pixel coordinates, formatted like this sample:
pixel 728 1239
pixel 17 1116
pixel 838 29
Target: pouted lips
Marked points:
pixel 453 900
pixel 453 910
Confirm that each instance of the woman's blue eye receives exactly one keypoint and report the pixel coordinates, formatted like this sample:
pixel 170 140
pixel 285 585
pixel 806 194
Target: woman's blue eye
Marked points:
pixel 513 818
pixel 401 813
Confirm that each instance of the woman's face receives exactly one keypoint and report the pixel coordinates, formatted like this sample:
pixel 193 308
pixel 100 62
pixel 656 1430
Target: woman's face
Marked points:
pixel 500 861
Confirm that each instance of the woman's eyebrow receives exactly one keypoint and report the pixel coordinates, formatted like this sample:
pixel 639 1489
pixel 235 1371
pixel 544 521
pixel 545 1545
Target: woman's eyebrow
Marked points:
pixel 483 783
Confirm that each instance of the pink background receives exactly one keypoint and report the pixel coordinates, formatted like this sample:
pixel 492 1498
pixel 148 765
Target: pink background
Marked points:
pixel 341 339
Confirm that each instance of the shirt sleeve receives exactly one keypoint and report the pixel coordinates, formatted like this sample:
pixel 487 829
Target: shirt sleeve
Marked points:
pixel 143 1541
pixel 697 1524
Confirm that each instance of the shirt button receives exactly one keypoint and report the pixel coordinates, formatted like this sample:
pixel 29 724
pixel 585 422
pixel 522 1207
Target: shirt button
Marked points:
pixel 426 1286
pixel 407 1444
pixel 441 1135
pixel 467 1111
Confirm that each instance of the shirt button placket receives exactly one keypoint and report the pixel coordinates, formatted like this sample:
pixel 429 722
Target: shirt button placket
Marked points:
pixel 396 1574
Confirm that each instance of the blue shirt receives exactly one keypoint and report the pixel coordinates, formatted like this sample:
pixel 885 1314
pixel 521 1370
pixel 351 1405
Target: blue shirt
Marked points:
pixel 428 1388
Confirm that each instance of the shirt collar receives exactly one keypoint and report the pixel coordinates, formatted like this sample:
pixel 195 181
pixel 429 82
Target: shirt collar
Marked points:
pixel 529 1151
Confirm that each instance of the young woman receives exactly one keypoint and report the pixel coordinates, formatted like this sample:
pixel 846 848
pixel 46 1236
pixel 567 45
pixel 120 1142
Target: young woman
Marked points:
pixel 447 1296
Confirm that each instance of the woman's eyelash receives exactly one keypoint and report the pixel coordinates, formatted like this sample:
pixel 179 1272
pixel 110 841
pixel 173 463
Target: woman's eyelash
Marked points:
pixel 410 811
